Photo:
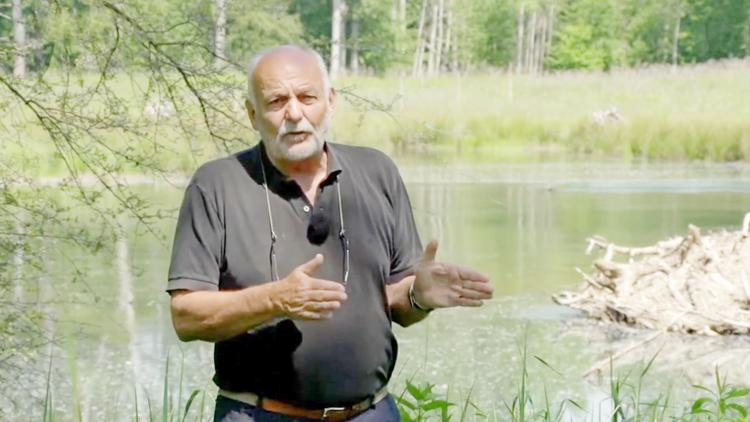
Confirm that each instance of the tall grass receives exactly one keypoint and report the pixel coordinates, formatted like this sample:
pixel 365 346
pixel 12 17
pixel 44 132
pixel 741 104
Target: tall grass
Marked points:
pixel 625 402
pixel 419 402
pixel 695 113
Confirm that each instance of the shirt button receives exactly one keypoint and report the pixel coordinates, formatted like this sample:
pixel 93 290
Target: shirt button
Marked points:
pixel 306 208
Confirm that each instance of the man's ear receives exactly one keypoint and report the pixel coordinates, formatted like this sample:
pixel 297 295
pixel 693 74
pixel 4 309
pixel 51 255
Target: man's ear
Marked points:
pixel 251 113
pixel 332 99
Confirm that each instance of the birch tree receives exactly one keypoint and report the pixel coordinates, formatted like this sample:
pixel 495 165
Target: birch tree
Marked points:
pixel 337 36
pixel 419 52
pixel 220 33
pixel 19 40
pixel 519 39
pixel 354 46
pixel 676 35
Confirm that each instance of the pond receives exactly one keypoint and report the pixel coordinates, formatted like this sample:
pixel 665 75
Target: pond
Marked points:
pixel 524 224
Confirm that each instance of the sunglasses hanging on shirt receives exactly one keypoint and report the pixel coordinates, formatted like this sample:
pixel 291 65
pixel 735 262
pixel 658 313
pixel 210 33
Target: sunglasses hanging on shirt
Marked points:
pixel 317 230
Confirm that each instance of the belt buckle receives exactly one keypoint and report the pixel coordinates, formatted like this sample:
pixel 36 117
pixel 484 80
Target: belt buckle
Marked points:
pixel 330 411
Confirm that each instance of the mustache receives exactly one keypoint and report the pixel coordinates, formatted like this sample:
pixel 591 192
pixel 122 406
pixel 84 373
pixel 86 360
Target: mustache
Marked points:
pixel 301 126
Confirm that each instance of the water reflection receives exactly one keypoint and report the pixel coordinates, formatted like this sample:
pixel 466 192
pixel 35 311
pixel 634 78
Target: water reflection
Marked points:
pixel 524 225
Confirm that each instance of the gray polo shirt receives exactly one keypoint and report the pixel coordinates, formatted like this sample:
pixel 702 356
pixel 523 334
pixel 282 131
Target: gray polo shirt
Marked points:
pixel 222 242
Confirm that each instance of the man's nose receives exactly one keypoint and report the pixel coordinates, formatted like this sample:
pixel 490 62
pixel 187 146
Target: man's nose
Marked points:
pixel 293 110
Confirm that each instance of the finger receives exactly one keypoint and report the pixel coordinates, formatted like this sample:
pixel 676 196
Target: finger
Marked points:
pixel 462 301
pixel 327 296
pixel 311 266
pixel 480 287
pixel 473 294
pixel 323 307
pixel 430 251
pixel 467 273
pixel 323 284
pixel 314 316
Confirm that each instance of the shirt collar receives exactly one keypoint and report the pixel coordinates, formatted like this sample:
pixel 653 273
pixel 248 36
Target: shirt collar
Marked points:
pixel 277 179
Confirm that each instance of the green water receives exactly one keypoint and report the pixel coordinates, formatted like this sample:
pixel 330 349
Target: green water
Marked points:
pixel 525 225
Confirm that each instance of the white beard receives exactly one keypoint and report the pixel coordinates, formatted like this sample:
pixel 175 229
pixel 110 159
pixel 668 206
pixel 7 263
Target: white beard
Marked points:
pixel 288 149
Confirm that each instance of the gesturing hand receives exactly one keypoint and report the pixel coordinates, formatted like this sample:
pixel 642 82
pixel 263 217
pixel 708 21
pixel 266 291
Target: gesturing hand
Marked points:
pixel 442 285
pixel 301 296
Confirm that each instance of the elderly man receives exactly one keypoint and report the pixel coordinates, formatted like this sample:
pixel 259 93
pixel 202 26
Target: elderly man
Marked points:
pixel 294 257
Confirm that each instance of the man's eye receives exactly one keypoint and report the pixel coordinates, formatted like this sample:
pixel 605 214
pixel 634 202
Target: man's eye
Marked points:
pixel 307 99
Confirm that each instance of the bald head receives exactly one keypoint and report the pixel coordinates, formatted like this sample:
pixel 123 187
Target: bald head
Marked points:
pixel 290 102
pixel 272 59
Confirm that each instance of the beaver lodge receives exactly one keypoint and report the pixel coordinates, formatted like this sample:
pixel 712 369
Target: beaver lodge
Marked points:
pixel 697 283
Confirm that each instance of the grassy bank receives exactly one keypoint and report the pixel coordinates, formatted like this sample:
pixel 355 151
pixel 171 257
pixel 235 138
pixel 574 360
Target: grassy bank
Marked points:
pixel 697 112
pixel 691 113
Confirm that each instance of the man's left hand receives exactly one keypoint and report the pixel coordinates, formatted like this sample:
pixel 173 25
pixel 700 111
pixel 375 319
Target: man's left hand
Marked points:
pixel 442 285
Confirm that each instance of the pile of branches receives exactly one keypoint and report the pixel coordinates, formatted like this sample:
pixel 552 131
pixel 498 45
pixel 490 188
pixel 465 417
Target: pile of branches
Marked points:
pixel 696 284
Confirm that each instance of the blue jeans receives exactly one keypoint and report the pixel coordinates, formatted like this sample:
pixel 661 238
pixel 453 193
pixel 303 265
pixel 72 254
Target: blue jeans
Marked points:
pixel 228 410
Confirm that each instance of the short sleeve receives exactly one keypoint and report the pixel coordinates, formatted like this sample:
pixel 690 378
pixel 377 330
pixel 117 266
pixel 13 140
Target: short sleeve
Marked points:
pixel 197 252
pixel 406 250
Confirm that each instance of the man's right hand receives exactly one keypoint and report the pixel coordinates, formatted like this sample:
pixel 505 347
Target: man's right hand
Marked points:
pixel 302 296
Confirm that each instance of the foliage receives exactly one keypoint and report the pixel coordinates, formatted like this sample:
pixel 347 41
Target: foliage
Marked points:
pixel 255 25
pixel 591 36
pixel 721 403
pixel 588 34
pixel 421 403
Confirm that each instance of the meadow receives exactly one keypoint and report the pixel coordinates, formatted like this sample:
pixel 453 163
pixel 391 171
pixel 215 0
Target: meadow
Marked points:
pixel 690 113
pixel 697 112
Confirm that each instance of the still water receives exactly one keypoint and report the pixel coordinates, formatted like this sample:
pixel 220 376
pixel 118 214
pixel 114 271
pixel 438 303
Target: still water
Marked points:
pixel 525 225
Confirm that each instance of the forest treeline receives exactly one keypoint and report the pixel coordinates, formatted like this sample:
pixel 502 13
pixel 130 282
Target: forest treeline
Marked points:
pixel 408 37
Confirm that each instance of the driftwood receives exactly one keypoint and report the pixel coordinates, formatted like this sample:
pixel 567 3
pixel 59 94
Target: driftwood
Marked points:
pixel 697 284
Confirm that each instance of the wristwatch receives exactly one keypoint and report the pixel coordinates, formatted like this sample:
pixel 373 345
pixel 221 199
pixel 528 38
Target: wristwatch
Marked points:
pixel 414 303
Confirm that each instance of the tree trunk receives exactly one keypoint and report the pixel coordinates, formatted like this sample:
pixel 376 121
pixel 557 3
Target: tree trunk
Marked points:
pixel 339 8
pixel 402 15
pixel 541 42
pixel 519 40
pixel 528 59
pixel 220 36
pixel 676 38
pixel 419 53
pixel 550 28
pixel 19 39
pixel 448 53
pixel 354 43
pixel 343 42
pixel 439 40
pixel 433 41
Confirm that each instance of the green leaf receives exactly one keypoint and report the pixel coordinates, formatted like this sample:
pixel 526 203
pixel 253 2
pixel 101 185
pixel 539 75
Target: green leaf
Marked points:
pixel 738 408
pixel 415 391
pixel 437 404
pixel 700 387
pixel 697 406
pixel 406 403
pixel 547 365
pixel 737 392
pixel 193 395
pixel 574 403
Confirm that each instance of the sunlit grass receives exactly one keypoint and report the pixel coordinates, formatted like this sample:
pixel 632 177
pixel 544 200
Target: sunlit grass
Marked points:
pixel 695 113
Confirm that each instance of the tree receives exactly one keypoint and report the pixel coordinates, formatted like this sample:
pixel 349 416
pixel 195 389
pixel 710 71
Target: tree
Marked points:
pixel 19 39
pixel 253 25
pixel 220 33
pixel 337 37
pixel 714 29
pixel 590 35
pixel 90 115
